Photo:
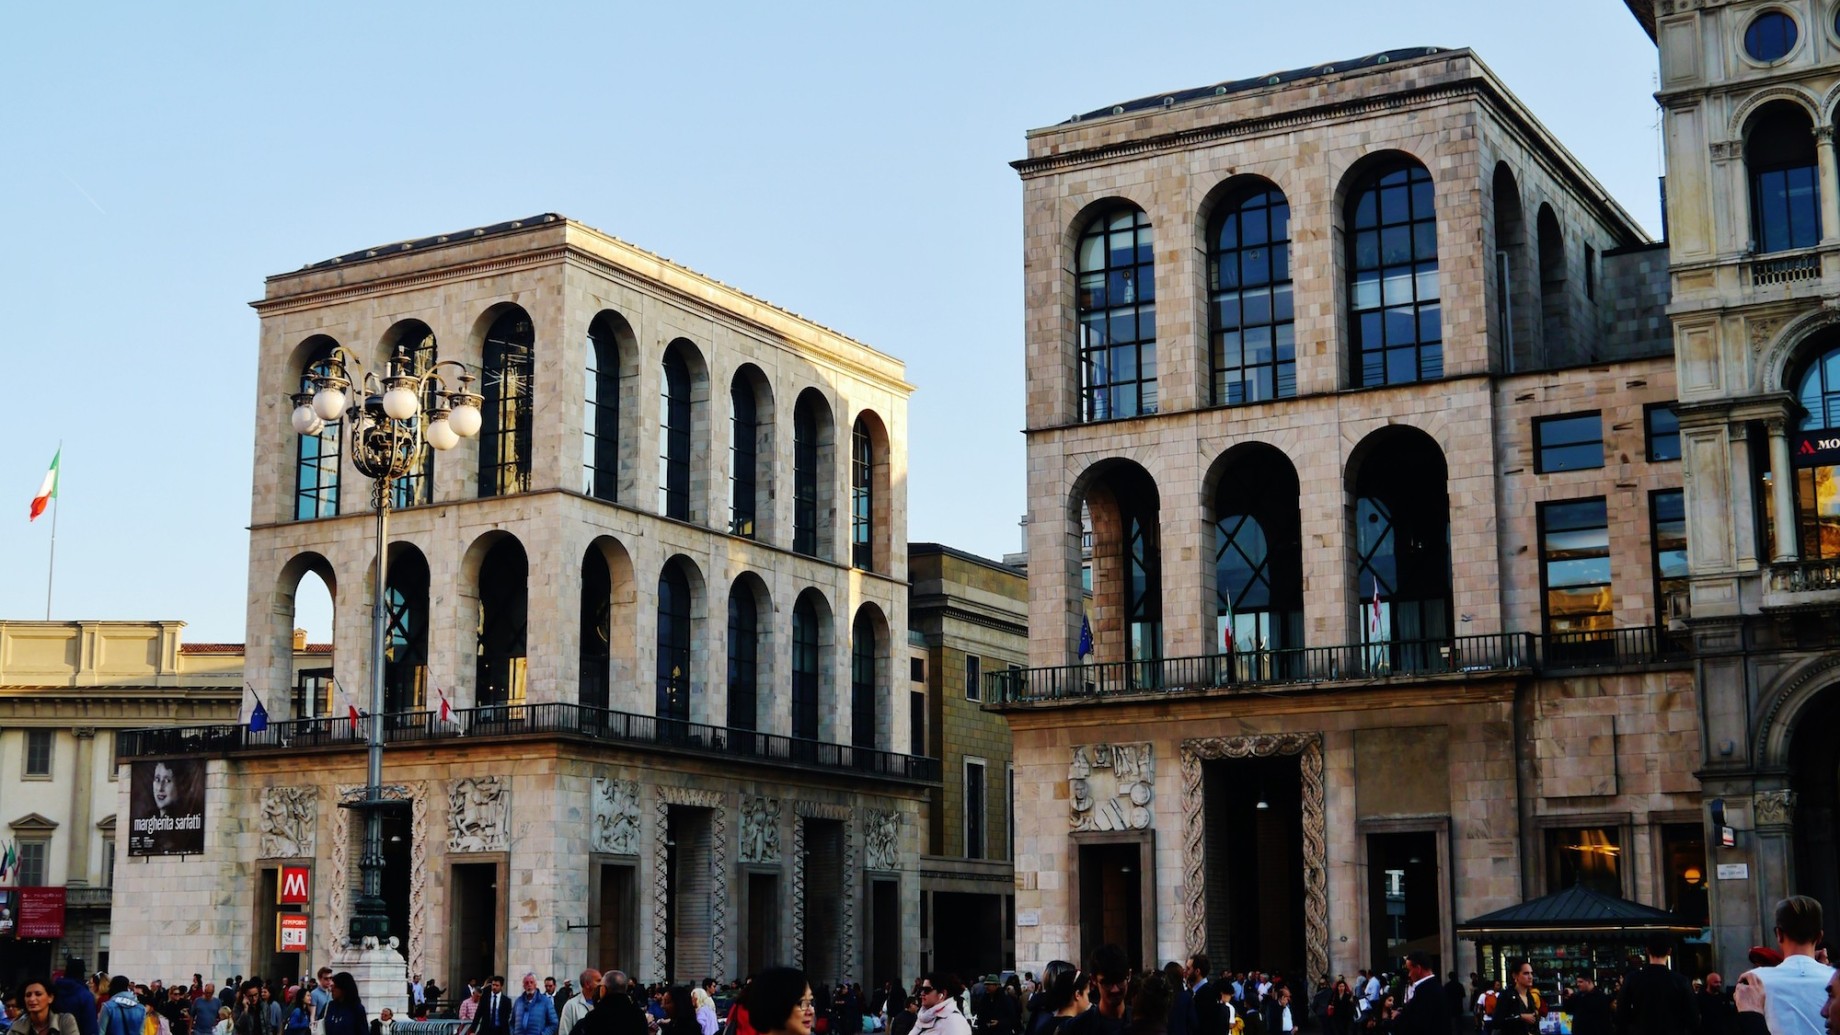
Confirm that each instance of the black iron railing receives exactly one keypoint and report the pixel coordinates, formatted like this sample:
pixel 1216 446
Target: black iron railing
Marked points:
pixel 1494 652
pixel 1612 648
pixel 510 720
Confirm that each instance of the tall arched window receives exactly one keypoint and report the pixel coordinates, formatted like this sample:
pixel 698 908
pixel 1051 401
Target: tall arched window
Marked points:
pixel 743 659
pixel 862 497
pixel 1402 590
pixel 1817 469
pixel 503 621
pixel 1116 307
pixel 1394 317
pixel 862 682
pixel 600 423
pixel 805 434
pixel 674 437
pixel 673 643
pixel 1785 181
pixel 1249 274
pixel 743 437
pixel 593 684
pixel 405 638
pixel 316 460
pixel 1126 609
pixel 805 669
pixel 1258 556
pixel 416 488
pixel 505 434
pixel 1555 317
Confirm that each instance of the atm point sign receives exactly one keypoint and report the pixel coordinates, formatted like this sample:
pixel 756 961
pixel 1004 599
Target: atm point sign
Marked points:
pixel 292 886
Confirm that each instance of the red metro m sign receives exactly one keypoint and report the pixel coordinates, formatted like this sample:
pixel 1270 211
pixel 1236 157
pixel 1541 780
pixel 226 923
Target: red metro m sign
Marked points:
pixel 292 886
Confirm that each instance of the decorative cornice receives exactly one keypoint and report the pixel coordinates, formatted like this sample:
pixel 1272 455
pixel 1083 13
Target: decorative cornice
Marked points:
pixel 34 823
pixel 393 285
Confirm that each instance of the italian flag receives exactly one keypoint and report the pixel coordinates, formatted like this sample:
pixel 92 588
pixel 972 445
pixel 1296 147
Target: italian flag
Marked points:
pixel 47 490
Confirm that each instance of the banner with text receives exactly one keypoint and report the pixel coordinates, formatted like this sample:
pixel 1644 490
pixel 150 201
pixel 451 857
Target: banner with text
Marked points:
pixel 166 808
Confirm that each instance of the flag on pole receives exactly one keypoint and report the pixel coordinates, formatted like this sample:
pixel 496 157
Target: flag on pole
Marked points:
pixel 1086 641
pixel 9 861
pixel 258 719
pixel 47 490
pixel 1373 613
pixel 351 709
pixel 1226 635
pixel 447 710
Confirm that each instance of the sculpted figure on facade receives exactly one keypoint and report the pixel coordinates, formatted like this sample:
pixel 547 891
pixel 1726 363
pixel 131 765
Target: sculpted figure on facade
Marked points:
pixel 1110 786
pixel 1774 808
pixel 478 810
pixel 882 844
pixel 616 816
pixel 759 830
pixel 287 822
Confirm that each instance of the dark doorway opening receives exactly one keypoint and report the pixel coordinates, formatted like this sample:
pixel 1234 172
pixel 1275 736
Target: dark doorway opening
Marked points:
pixel 761 949
pixel 266 960
pixel 1814 775
pixel 1402 897
pixel 1111 898
pixel 477 931
pixel 824 890
pixel 968 933
pixel 618 916
pixel 688 888
pixel 1254 863
pixel 397 832
pixel 885 933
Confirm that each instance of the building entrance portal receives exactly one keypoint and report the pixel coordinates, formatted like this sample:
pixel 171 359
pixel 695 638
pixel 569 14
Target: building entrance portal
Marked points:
pixel 761 948
pixel 1111 898
pixel 1814 776
pixel 1255 863
pixel 475 919
pixel 618 915
pixel 824 888
pixel 688 890
pixel 1402 897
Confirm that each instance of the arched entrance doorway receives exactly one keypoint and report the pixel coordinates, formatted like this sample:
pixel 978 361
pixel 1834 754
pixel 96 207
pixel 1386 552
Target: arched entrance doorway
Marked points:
pixel 1814 776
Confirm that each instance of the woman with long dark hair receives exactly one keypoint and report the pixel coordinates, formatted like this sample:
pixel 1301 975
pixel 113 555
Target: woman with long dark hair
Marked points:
pixel 779 1002
pixel 1063 996
pixel 36 1016
pixel 679 1013
pixel 345 1014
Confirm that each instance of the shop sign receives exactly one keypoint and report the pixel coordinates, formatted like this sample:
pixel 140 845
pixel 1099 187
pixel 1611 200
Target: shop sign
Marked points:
pixel 41 913
pixel 1817 448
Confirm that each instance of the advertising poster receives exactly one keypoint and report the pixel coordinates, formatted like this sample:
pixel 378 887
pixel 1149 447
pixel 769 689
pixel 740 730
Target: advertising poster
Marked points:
pixel 9 913
pixel 40 913
pixel 166 808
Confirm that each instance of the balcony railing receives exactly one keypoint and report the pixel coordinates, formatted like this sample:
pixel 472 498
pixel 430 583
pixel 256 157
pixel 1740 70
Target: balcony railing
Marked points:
pixel 1612 648
pixel 1806 576
pixel 1786 269
pixel 1496 652
pixel 512 720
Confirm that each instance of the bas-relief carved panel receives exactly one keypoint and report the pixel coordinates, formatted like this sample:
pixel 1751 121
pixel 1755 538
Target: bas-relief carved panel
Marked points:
pixel 882 840
pixel 759 830
pixel 1773 808
pixel 1308 746
pixel 287 822
pixel 478 814
pixel 616 816
pixel 1110 786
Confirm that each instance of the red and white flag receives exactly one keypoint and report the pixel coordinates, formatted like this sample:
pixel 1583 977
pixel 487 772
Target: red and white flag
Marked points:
pixel 1373 613
pixel 351 709
pixel 447 710
pixel 47 490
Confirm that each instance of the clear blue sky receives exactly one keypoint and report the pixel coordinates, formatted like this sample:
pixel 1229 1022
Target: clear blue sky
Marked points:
pixel 847 161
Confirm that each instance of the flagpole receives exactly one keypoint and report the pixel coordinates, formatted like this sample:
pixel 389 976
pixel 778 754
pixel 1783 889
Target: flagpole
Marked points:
pixel 51 568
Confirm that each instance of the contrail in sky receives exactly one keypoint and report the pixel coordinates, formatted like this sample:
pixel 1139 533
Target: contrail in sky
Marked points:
pixel 85 193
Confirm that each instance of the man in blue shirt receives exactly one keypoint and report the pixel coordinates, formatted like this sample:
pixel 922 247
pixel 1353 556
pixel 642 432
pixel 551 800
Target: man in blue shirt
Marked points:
pixel 533 1013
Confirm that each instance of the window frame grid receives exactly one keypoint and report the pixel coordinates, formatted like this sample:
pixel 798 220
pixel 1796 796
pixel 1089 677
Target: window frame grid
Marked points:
pixel 507 383
pixel 743 660
pixel 805 455
pixel 807 668
pixel 675 421
pixel 977 809
pixel 1541 446
pixel 600 425
pixel 1649 438
pixel 1100 390
pixel 974 671
pixel 417 487
pixel 1427 353
pixel 316 476
pixel 1265 203
pixel 862 498
pixel 1664 583
pixel 743 458
pixel 1544 526
pixel 40 750
pixel 862 683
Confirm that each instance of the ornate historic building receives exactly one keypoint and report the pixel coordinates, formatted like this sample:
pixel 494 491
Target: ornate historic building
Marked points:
pixel 1749 93
pixel 1355 390
pixel 664 593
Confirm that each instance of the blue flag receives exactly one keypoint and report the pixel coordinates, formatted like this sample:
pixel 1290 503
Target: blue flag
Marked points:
pixel 1085 636
pixel 258 719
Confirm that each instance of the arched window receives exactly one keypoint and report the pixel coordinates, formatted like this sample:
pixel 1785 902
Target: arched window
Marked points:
pixel 1817 469
pixel 417 342
pixel 1555 320
pixel 1785 181
pixel 503 621
pixel 1249 275
pixel 862 682
pixel 1402 588
pixel 1258 557
pixel 674 437
pixel 805 669
pixel 1393 313
pixel 593 685
pixel 743 446
pixel 743 659
pixel 600 422
pixel 1116 292
pixel 405 638
pixel 673 643
pixel 862 497
pixel 1127 588
pixel 806 435
pixel 316 460
pixel 505 434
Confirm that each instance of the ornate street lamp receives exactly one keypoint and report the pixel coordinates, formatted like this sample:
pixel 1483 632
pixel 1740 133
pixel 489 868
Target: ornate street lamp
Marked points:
pixel 390 420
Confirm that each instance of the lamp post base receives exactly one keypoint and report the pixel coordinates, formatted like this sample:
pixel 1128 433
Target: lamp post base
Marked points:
pixel 381 973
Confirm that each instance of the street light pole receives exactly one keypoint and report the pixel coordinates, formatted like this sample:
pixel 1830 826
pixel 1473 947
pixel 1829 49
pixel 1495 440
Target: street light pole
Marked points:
pixel 390 421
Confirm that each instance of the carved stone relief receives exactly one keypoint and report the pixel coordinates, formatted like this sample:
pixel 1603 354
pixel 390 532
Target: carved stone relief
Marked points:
pixel 759 830
pixel 478 814
pixel 287 822
pixel 1110 786
pixel 616 816
pixel 1308 746
pixel 882 842
pixel 1774 808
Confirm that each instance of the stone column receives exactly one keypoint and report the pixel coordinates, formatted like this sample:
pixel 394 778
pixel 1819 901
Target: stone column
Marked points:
pixel 1830 196
pixel 1782 498
pixel 77 869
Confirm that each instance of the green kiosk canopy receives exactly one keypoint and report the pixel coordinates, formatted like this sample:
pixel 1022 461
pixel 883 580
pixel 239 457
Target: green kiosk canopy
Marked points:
pixel 1568 933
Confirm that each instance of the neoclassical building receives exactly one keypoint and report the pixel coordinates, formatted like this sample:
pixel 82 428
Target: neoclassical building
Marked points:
pixel 664 592
pixel 1355 391
pixel 1750 92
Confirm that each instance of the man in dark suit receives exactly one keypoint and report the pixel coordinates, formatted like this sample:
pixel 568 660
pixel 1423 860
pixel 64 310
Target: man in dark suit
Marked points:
pixel 494 1017
pixel 1202 999
pixel 1425 1012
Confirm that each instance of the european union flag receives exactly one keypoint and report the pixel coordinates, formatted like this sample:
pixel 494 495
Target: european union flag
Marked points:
pixel 1085 636
pixel 258 719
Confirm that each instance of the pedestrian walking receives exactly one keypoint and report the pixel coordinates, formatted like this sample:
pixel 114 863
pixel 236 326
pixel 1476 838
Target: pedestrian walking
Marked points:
pixel 36 1016
pixel 345 1009
pixel 939 1012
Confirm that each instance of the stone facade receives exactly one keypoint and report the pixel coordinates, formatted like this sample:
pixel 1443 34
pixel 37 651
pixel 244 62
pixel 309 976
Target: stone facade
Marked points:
pixel 1470 756
pixel 1749 317
pixel 562 821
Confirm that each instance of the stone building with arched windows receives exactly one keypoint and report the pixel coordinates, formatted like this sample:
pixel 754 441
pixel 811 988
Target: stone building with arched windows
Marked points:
pixel 664 594
pixel 1350 392
pixel 1750 92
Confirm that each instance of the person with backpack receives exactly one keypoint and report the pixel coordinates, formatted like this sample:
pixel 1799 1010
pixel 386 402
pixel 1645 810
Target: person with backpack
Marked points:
pixel 122 1012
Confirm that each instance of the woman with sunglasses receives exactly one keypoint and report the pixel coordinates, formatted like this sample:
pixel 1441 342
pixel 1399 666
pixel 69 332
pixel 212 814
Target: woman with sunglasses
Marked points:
pixel 939 1013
